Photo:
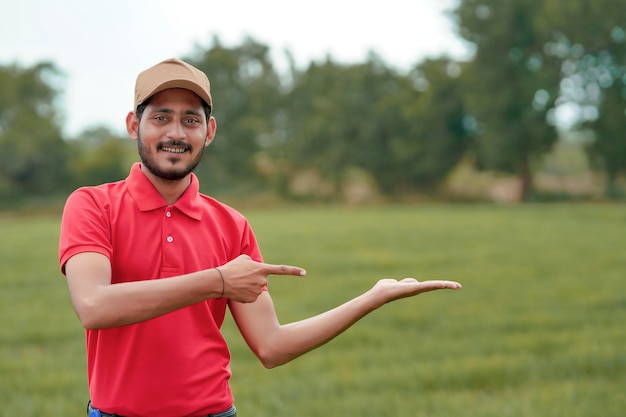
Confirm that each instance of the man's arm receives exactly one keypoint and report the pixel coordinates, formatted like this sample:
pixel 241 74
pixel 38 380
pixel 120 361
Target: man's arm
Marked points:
pixel 100 304
pixel 275 344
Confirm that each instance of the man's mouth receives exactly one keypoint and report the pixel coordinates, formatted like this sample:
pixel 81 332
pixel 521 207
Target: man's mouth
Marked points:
pixel 174 148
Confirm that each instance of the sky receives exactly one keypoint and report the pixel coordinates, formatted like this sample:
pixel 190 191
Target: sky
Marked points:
pixel 101 46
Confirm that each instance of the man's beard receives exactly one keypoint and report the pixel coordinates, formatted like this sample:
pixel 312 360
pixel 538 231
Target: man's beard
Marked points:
pixel 173 174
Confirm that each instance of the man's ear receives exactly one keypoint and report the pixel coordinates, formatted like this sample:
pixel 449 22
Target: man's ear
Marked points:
pixel 132 125
pixel 210 132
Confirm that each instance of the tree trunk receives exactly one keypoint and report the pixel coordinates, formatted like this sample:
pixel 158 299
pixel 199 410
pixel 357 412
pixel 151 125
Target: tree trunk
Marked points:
pixel 526 180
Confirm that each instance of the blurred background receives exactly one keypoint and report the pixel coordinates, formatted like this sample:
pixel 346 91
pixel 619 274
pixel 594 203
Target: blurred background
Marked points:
pixel 350 102
pixel 344 130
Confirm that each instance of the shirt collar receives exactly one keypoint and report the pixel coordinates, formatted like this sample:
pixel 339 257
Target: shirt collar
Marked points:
pixel 148 198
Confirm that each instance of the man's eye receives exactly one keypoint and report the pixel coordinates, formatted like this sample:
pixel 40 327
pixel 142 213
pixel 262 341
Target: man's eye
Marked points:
pixel 191 121
pixel 160 118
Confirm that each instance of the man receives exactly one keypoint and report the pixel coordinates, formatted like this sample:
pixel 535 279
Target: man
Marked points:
pixel 152 264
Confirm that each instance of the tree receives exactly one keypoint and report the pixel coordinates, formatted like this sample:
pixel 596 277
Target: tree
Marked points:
pixel 32 150
pixel 100 156
pixel 513 83
pixel 609 147
pixel 369 117
pixel 245 89
pixel 434 132
pixel 589 37
pixel 333 116
pixel 328 114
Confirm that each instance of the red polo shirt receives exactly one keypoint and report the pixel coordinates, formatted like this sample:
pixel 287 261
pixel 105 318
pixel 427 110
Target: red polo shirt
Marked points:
pixel 177 364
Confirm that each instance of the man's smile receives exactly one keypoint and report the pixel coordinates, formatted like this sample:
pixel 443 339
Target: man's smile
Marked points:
pixel 174 147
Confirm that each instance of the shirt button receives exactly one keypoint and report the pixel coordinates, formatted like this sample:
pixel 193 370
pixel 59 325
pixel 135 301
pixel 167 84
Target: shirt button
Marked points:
pixel 168 214
pixel 170 239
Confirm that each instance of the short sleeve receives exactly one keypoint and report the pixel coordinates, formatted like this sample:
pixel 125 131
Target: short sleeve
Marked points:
pixel 85 226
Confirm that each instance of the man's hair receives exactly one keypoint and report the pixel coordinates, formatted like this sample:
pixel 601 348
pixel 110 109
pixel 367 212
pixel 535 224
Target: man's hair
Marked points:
pixel 142 107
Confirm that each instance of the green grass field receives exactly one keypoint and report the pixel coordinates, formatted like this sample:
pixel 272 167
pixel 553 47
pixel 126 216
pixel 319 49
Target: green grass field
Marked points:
pixel 538 330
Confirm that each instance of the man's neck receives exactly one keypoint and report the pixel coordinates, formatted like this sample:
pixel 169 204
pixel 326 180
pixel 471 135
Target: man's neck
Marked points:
pixel 169 190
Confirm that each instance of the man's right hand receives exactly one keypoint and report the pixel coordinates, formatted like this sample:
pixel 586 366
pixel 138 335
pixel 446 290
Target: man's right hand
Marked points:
pixel 245 279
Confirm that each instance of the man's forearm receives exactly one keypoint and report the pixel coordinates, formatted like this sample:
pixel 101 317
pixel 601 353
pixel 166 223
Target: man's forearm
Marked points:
pixel 294 339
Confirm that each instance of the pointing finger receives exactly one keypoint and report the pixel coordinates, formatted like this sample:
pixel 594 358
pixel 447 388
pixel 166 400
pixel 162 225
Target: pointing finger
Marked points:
pixel 284 270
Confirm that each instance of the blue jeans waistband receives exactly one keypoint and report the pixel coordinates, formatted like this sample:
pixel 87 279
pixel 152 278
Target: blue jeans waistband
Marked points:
pixel 94 412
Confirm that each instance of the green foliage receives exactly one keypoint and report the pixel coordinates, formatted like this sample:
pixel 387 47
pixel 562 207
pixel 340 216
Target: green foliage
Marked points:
pixel 244 88
pixel 513 84
pixel 304 134
pixel 336 123
pixel 594 74
pixel 532 56
pixel 436 134
pixel 537 329
pixel 32 150
pixel 608 150
pixel 100 156
pixel 372 118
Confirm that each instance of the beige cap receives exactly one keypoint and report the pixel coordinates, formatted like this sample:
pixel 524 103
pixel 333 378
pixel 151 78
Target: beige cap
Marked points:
pixel 171 73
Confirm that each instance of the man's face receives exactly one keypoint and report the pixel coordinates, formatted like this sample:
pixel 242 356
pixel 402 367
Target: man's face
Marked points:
pixel 172 134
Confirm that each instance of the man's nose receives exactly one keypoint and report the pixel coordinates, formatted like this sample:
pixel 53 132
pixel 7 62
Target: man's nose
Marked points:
pixel 177 131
